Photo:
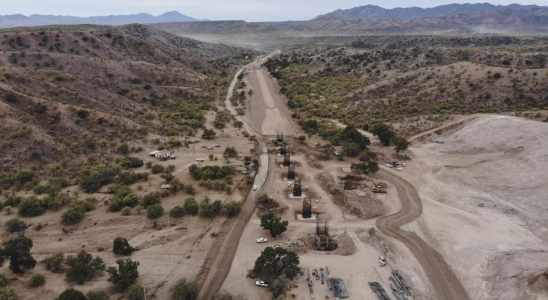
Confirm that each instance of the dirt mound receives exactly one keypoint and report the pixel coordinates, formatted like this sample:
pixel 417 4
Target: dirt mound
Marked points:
pixel 362 204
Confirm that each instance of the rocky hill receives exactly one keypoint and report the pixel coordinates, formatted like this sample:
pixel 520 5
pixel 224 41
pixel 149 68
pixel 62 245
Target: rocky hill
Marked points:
pixel 19 20
pixel 377 12
pixel 70 94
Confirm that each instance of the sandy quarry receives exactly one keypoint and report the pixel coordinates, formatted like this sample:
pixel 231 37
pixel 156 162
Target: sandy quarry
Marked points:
pixel 483 186
pixel 179 250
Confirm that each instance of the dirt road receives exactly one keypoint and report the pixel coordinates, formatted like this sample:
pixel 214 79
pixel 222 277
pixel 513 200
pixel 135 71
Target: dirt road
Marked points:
pixel 445 283
pixel 221 266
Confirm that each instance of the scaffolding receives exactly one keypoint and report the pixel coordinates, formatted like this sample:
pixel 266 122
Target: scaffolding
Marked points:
pixel 307 208
pixel 287 160
pixel 322 239
pixel 283 150
pixel 291 172
pixel 297 189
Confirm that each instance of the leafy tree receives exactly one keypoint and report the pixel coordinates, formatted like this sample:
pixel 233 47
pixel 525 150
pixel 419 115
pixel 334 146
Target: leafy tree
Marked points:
pixel 367 168
pixel 280 284
pixel 366 155
pixel 273 224
pixel 209 134
pixel 72 294
pixel 155 211
pixel 125 275
pixel 17 250
pixel 122 247
pixel 275 262
pixel 230 151
pixel 31 207
pixel 401 144
pixel 386 136
pixel 83 267
pixel 379 128
pixel 15 225
pixel 135 292
pixel 37 279
pixel 8 293
pixel 168 173
pixel 54 261
pixel 184 290
pixel 98 295
pixel 151 199
pixel 191 206
pixel 177 212
pixel 352 149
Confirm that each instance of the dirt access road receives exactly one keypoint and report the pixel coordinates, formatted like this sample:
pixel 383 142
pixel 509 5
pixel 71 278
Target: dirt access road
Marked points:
pixel 221 266
pixel 445 283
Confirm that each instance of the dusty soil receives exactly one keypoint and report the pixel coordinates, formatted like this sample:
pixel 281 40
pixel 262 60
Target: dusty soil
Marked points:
pixel 181 248
pixel 483 190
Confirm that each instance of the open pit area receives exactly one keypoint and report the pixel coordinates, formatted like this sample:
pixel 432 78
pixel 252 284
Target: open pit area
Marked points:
pixel 483 185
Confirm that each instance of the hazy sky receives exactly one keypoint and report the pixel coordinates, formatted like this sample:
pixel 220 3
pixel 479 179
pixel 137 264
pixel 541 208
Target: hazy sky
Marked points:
pixel 249 10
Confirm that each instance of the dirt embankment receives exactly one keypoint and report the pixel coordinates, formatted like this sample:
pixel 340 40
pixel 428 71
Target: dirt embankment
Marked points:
pixel 358 203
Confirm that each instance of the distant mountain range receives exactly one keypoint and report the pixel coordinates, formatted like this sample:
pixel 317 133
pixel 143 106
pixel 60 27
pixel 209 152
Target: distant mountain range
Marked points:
pixel 41 20
pixel 376 12
pixel 532 20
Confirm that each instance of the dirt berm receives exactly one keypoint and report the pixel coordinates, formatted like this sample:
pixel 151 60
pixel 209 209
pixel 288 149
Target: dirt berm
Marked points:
pixel 358 203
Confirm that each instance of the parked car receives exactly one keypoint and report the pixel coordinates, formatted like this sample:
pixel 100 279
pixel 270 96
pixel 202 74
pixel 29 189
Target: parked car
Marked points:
pixel 254 187
pixel 209 148
pixel 218 145
pixel 199 159
pixel 382 261
pixel 389 165
pixel 262 240
pixel 399 168
pixel 403 164
pixel 261 283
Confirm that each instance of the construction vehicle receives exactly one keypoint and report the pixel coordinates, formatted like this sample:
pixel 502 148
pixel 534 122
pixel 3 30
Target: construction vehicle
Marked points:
pixel 379 187
pixel 382 261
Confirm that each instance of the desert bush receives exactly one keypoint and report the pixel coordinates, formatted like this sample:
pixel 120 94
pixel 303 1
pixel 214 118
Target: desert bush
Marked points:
pixel 125 275
pixel 232 209
pixel 8 293
pixel 184 289
pixel 71 294
pixel 151 199
pixel 191 206
pixel 82 267
pixel 31 207
pixel 135 292
pixel 126 211
pixel 177 212
pixel 155 211
pixel 156 169
pixel 98 295
pixel 37 279
pixel 15 225
pixel 54 261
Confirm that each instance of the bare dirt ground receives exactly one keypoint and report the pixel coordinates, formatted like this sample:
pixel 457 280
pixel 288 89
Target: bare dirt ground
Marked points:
pixel 179 248
pixel 266 110
pixel 483 187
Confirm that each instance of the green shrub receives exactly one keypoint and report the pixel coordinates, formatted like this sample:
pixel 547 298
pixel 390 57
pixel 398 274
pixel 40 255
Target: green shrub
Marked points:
pixel 232 209
pixel 151 199
pixel 54 261
pixel 125 275
pixel 73 215
pixel 37 279
pixel 126 211
pixel 15 225
pixel 135 292
pixel 82 267
pixel 156 169
pixel 3 281
pixel 123 148
pixel 72 294
pixel 98 295
pixel 191 206
pixel 155 211
pixel 9 293
pixel 177 212
pixel 31 207
pixel 184 290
